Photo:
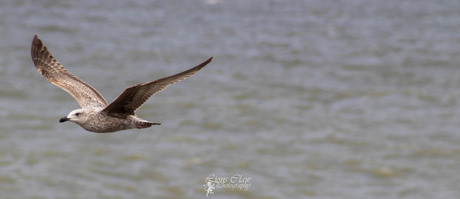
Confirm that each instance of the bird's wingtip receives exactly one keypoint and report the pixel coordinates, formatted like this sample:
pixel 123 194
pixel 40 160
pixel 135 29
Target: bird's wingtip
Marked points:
pixel 36 37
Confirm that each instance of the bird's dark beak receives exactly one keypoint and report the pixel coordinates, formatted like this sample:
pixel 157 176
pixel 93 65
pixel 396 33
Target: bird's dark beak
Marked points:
pixel 64 119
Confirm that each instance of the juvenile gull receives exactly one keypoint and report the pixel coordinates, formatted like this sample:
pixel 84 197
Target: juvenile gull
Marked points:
pixel 95 114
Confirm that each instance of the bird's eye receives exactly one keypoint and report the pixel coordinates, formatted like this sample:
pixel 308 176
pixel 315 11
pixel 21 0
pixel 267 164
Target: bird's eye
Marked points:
pixel 77 114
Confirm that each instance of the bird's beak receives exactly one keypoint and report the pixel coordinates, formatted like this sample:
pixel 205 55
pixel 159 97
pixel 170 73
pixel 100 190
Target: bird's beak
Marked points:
pixel 64 119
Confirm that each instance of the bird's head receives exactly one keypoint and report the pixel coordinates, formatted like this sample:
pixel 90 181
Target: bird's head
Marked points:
pixel 78 116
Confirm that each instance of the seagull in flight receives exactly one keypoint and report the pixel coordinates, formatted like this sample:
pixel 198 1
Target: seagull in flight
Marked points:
pixel 95 114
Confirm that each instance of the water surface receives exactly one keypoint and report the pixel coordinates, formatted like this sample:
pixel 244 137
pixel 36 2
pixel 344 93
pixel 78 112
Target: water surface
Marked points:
pixel 310 99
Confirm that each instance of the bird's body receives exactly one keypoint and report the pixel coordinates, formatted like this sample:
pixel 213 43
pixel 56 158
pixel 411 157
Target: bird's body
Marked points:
pixel 94 119
pixel 95 114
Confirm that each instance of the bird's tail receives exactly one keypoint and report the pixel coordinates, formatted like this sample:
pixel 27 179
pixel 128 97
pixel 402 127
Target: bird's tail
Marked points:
pixel 145 124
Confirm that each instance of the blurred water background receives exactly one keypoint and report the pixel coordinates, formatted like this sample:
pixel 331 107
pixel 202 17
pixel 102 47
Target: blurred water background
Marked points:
pixel 308 98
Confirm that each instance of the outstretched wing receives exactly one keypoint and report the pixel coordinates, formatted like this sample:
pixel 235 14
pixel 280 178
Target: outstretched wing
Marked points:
pixel 134 96
pixel 53 71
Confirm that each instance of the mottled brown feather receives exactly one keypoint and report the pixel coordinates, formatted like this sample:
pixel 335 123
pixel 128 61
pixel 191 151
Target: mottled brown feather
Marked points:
pixel 134 96
pixel 56 74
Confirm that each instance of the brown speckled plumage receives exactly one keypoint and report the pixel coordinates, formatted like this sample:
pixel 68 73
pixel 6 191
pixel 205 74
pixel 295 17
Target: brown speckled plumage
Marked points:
pixel 96 115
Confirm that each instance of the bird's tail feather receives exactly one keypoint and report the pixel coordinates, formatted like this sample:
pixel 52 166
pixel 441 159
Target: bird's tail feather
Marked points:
pixel 145 124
